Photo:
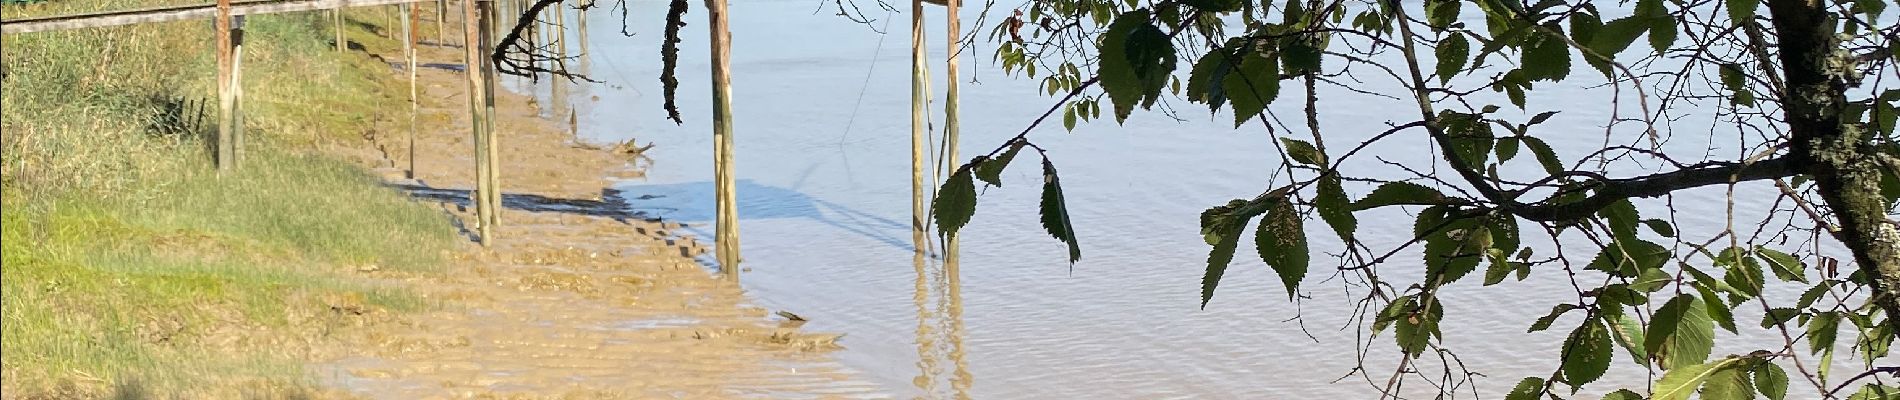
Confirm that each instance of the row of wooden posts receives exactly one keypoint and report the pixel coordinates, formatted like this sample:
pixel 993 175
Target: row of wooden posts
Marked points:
pixel 479 31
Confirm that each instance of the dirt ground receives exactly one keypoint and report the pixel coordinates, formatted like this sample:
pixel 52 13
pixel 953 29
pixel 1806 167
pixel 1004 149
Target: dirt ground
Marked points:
pixel 577 298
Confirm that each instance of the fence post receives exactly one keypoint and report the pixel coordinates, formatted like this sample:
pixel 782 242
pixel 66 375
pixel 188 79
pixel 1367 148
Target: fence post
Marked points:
pixel 919 88
pixel 225 97
pixel 486 45
pixel 336 17
pixel 409 34
pixel 237 91
pixel 472 65
pixel 728 218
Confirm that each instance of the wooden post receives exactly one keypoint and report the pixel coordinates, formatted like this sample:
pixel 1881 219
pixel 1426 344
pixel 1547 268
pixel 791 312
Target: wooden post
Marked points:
pixel 226 99
pixel 477 121
pixel 918 95
pixel 237 91
pixel 950 118
pixel 336 16
pixel 558 95
pixel 728 218
pixel 409 37
pixel 486 44
pixel 441 18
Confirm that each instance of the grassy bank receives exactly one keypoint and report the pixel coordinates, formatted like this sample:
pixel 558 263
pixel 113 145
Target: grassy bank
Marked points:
pixel 130 267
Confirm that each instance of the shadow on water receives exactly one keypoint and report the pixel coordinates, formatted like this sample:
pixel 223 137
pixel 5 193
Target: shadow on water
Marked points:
pixel 694 203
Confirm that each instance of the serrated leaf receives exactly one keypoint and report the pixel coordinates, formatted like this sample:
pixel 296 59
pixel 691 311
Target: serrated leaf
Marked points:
pixel 1718 311
pixel 1545 321
pixel 1742 272
pixel 1587 353
pixel 1303 152
pixel 1729 382
pixel 1822 330
pixel 991 171
pixel 1334 207
pixel 1622 394
pixel 1441 13
pixel 1693 340
pixel 1205 81
pixel 1452 53
pixel 1527 389
pixel 1055 212
pixel 1251 87
pixel 1771 381
pixel 1137 60
pixel 1663 324
pixel 1541 117
pixel 1661 227
pixel 1776 316
pixel 1453 244
pixel 1281 241
pixel 1507 149
pixel 1399 193
pixel 1545 58
pixel 1544 155
pixel 1622 218
pixel 1629 259
pixel 1662 33
pixel 955 203
pixel 1785 266
pixel 1416 329
pixel 1628 333
pixel 1299 58
pixel 1740 11
pixel 1679 383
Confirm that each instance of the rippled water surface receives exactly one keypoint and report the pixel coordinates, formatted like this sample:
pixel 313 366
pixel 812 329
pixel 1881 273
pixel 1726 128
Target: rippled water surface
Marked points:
pixel 823 167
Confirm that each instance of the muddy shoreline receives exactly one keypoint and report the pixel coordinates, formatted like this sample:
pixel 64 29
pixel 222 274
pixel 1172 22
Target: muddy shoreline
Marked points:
pixel 580 297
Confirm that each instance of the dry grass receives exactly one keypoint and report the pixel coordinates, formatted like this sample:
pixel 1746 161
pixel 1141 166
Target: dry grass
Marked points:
pixel 132 270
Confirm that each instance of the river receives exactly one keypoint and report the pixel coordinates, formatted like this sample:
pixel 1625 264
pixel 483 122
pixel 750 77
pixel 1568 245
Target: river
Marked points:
pixel 822 130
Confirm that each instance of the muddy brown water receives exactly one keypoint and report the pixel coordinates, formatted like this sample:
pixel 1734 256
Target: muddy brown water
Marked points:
pixel 822 153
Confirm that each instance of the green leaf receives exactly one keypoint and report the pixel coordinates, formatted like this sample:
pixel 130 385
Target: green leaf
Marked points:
pixel 1303 152
pixel 1545 156
pixel 1527 389
pixel 1628 333
pixel 1418 326
pixel 1545 321
pixel 955 203
pixel 1679 383
pixel 991 171
pixel 1541 117
pixel 1786 267
pixel 1718 311
pixel 1778 315
pixel 1622 394
pixel 1742 10
pixel 1689 341
pixel 1453 53
pixel 1055 212
pixel 1616 36
pixel 1250 88
pixel 1661 227
pixel 1470 137
pixel 1662 33
pixel 1743 273
pixel 1729 382
pixel 1399 193
pixel 1663 324
pixel 1334 207
pixel 1068 118
pixel 1441 13
pixel 1629 259
pixel 1453 244
pixel 1299 57
pixel 1771 381
pixel 1546 58
pixel 1217 6
pixel 1136 61
pixel 1281 241
pixel 1587 353
pixel 1507 148
pixel 1622 218
pixel 1205 82
pixel 1822 330
pixel 1224 234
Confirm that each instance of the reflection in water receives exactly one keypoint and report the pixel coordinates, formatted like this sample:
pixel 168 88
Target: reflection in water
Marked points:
pixel 940 323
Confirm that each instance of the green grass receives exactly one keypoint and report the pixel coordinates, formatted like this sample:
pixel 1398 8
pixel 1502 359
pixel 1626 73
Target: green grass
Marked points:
pixel 130 267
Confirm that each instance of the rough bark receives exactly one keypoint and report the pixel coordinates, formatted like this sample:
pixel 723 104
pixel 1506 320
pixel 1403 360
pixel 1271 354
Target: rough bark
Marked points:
pixel 1838 153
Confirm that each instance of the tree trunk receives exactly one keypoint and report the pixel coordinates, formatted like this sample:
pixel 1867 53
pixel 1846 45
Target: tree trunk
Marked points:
pixel 1838 153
